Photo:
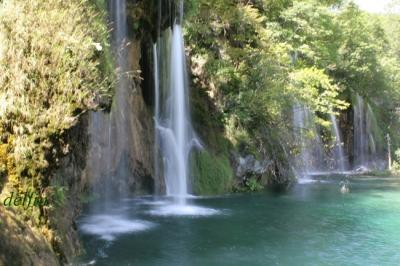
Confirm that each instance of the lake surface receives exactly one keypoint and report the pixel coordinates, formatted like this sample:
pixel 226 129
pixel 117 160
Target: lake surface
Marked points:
pixel 310 224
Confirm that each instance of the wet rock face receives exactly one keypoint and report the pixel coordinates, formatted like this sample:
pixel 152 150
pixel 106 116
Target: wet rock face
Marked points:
pixel 268 172
pixel 249 166
pixel 142 128
pixel 141 138
pixel 69 175
pixel 127 158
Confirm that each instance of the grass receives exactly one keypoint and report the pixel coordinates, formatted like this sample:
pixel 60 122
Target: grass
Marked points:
pixel 50 73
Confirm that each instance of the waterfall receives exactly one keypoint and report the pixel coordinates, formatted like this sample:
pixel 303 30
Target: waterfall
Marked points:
pixel 371 125
pixel 364 147
pixel 113 138
pixel 174 133
pixel 157 113
pixel 311 157
pixel 338 148
pixel 109 157
pixel 300 116
pixel 359 133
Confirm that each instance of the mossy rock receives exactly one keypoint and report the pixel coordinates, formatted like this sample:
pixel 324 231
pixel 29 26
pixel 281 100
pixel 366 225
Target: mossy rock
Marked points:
pixel 211 174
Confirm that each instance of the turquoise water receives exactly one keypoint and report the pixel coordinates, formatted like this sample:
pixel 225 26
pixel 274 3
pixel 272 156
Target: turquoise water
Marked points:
pixel 310 224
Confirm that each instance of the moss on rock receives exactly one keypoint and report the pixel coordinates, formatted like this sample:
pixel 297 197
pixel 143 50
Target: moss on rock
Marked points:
pixel 211 174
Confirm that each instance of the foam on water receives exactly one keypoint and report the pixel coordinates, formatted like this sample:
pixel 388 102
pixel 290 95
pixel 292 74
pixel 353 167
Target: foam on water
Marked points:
pixel 306 181
pixel 156 202
pixel 108 227
pixel 328 173
pixel 183 210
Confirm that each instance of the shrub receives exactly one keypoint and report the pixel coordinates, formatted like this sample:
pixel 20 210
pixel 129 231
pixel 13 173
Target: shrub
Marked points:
pixel 54 65
pixel 396 163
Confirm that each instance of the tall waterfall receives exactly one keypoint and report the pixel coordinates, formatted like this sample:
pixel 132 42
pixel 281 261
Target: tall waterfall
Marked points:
pixel 339 156
pixel 311 157
pixel 110 134
pixel 174 133
pixel 364 148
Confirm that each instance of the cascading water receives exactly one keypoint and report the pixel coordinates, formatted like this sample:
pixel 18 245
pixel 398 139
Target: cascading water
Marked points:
pixel 311 157
pixel 174 135
pixel 360 145
pixel 110 163
pixel 364 148
pixel 300 116
pixel 110 134
pixel 340 158
pixel 371 124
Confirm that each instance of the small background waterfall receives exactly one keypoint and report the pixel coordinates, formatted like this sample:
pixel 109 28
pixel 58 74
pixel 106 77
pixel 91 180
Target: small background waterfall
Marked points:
pixel 314 157
pixel 174 134
pixel 311 156
pixel 340 160
pixel 365 133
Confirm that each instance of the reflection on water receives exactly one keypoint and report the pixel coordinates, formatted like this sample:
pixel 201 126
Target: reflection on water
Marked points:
pixel 311 224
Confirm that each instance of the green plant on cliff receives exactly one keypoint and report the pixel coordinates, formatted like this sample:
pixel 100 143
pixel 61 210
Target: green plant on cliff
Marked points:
pixel 253 185
pixel 212 174
pixel 58 195
pixel 54 65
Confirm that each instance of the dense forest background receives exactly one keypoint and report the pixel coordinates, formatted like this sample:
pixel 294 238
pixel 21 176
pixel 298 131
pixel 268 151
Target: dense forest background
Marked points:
pixel 258 59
